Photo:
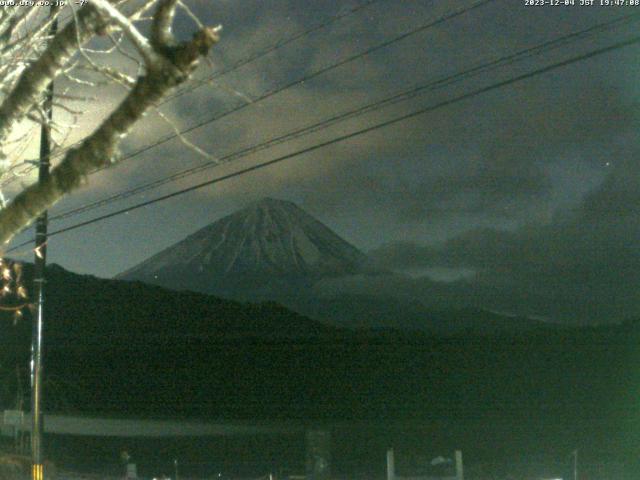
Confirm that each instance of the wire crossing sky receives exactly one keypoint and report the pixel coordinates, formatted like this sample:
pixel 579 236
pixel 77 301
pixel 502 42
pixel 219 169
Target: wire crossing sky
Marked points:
pixel 402 96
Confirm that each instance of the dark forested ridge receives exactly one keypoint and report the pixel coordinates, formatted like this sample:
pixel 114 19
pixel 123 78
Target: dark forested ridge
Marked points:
pixel 115 347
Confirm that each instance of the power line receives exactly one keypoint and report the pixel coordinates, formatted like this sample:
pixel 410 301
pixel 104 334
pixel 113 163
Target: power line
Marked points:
pixel 393 121
pixel 442 19
pixel 391 100
pixel 239 64
pixel 267 51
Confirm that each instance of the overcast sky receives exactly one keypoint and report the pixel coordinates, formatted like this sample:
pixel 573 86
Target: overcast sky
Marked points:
pixel 522 199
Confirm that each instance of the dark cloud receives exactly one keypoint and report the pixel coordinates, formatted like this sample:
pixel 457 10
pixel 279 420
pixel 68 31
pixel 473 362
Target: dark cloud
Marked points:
pixel 495 157
pixel 490 158
pixel 585 265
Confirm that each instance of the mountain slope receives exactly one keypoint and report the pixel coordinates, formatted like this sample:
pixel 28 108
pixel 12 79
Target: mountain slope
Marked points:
pixel 269 246
pixel 85 310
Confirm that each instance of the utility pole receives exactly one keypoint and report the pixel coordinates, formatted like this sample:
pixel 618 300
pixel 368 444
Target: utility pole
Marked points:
pixel 40 261
pixel 575 464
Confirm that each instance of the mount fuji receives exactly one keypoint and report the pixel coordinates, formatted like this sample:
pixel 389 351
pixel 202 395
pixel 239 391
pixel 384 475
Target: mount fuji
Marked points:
pixel 272 248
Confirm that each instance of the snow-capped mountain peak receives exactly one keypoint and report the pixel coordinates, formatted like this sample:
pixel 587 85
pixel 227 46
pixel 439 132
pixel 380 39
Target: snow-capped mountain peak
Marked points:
pixel 268 241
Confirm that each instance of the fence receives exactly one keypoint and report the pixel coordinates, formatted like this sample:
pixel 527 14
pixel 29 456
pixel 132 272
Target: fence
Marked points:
pixel 479 471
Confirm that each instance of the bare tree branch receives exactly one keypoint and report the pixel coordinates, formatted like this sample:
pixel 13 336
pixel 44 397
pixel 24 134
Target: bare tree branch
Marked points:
pixel 161 35
pixel 37 76
pixel 168 65
pixel 140 41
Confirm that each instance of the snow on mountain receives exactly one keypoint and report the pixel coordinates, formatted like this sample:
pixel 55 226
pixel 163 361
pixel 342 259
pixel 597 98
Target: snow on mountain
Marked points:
pixel 271 245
